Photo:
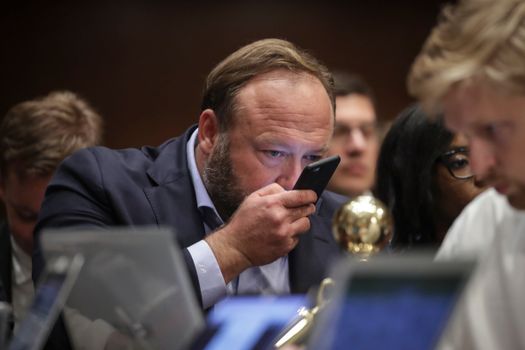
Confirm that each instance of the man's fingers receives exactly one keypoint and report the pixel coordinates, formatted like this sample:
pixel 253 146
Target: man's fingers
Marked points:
pixel 300 226
pixel 301 212
pixel 297 198
pixel 273 188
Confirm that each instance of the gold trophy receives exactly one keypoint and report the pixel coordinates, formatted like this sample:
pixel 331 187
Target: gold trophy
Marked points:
pixel 363 227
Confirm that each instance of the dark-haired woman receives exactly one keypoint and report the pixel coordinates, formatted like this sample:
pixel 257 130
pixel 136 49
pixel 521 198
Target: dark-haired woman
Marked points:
pixel 424 177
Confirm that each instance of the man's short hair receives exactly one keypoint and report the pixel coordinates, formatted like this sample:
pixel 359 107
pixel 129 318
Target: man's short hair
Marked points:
pixel 349 83
pixel 226 80
pixel 37 135
pixel 475 39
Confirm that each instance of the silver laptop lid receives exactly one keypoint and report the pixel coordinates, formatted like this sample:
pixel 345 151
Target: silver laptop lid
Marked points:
pixel 135 280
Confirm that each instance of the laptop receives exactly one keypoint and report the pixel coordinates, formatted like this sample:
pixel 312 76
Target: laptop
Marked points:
pixel 51 293
pixel 390 302
pixel 133 279
pixel 248 322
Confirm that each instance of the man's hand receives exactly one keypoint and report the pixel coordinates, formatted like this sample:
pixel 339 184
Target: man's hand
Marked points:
pixel 264 228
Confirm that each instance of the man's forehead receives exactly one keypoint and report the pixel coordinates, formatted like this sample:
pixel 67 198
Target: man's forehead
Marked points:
pixel 290 143
pixel 471 106
pixel 461 107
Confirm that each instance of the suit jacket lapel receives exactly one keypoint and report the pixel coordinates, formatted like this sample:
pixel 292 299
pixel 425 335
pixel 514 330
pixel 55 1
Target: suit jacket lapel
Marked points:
pixel 172 197
pixel 174 206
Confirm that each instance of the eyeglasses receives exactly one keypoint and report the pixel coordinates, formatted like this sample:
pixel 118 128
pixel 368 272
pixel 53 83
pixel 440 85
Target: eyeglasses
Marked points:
pixel 457 162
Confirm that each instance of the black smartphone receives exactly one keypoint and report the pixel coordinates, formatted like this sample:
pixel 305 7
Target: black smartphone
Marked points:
pixel 315 176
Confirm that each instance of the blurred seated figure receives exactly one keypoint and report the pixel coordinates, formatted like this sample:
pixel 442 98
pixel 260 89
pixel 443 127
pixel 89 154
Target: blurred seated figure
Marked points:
pixel 355 136
pixel 478 82
pixel 35 136
pixel 424 177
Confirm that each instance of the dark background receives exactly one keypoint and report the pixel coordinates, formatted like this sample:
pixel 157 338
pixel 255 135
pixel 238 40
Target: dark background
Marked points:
pixel 142 63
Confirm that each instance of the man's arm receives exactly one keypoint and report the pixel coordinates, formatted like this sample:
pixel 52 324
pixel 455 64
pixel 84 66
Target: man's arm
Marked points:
pixel 74 197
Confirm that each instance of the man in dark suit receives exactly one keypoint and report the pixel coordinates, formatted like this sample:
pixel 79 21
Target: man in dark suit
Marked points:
pixel 225 185
pixel 35 136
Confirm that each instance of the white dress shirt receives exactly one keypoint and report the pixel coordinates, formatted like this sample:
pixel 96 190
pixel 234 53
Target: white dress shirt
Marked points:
pixel 22 284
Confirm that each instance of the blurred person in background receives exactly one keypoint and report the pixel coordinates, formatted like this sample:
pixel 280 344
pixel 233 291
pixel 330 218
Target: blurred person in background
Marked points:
pixel 35 136
pixel 425 178
pixel 472 68
pixel 355 137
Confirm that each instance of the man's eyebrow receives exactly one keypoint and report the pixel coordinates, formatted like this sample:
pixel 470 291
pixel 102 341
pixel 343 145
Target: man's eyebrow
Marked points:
pixel 322 149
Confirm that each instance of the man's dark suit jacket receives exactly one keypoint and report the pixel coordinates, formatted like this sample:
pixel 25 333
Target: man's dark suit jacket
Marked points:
pixel 98 187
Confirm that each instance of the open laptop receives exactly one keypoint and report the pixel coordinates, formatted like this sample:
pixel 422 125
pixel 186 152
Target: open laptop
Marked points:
pixel 248 322
pixel 51 293
pixel 390 302
pixel 133 279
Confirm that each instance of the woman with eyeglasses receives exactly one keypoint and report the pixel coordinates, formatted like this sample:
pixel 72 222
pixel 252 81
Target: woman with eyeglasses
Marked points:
pixel 424 177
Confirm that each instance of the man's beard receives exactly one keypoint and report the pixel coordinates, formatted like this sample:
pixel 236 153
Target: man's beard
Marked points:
pixel 222 184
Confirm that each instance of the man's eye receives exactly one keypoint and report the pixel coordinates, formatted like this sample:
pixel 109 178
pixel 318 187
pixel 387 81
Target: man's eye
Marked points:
pixel 497 131
pixel 274 154
pixel 491 130
pixel 340 131
pixel 369 131
pixel 312 158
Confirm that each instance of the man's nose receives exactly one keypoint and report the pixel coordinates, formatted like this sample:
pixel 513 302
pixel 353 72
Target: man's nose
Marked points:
pixel 482 157
pixel 290 172
pixel 356 141
pixel 481 181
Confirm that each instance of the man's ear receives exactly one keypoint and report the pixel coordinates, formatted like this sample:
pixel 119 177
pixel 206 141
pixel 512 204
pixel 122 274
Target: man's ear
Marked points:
pixel 208 130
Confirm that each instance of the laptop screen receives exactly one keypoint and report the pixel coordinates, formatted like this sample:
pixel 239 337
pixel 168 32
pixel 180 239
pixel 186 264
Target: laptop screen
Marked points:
pixel 396 306
pixel 248 322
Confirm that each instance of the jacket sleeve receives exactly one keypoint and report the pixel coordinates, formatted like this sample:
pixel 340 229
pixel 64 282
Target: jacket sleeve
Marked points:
pixel 74 197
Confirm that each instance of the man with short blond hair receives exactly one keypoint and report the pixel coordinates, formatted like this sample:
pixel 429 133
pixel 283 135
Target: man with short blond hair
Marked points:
pixel 472 68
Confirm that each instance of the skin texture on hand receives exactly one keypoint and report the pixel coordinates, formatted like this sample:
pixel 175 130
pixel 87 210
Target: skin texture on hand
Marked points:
pixel 264 228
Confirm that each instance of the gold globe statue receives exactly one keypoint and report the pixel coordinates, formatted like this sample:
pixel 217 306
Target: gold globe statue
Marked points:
pixel 363 226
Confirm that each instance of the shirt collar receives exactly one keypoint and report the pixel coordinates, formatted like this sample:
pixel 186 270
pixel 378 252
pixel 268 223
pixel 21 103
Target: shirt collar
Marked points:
pixel 201 194
pixel 21 263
